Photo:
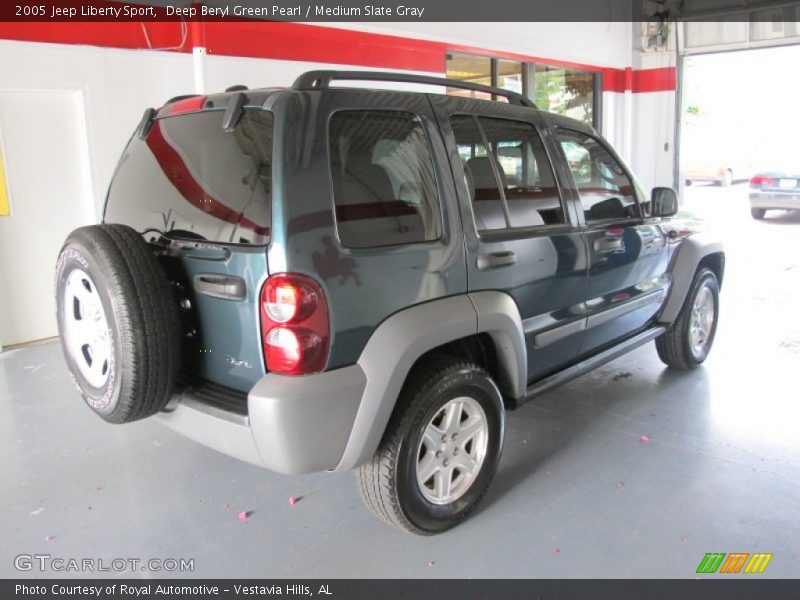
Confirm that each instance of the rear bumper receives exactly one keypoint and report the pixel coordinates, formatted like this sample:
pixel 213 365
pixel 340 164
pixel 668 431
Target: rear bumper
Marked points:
pixel 293 424
pixel 776 200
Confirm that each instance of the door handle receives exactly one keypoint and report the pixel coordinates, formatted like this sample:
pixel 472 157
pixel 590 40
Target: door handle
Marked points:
pixel 496 260
pixel 226 287
pixel 608 245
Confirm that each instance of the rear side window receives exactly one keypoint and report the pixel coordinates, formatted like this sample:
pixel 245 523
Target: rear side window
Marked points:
pixel 508 176
pixel 190 180
pixel 384 186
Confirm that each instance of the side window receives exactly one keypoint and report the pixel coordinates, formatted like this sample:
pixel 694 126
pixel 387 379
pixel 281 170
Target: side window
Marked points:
pixel 507 173
pixel 384 186
pixel 605 189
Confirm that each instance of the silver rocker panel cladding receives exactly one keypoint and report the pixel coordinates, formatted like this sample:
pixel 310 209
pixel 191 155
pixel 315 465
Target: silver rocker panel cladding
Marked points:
pixel 684 264
pixel 399 341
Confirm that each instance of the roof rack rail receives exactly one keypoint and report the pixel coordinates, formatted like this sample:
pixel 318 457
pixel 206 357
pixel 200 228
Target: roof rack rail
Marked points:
pixel 319 80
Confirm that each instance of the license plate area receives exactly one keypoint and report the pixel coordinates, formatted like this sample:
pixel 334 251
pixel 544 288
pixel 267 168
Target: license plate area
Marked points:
pixel 787 183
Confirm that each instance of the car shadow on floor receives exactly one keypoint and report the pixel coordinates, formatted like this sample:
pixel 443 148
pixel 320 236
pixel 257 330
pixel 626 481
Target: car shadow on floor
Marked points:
pixel 782 217
pixel 560 419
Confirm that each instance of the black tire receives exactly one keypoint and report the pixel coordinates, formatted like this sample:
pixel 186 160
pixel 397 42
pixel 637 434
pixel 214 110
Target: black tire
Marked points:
pixel 674 347
pixel 114 263
pixel 388 484
pixel 758 213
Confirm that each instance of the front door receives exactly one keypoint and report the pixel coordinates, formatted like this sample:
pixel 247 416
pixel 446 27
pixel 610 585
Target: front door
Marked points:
pixel 521 235
pixel 627 250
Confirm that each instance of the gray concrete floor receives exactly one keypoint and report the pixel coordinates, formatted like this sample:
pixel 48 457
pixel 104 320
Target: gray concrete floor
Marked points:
pixel 578 494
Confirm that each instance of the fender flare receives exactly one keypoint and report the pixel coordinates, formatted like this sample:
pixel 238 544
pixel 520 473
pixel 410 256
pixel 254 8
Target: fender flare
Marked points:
pixel 401 339
pixel 682 269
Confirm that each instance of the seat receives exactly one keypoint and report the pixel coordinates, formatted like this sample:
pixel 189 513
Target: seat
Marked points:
pixel 367 208
pixel 486 203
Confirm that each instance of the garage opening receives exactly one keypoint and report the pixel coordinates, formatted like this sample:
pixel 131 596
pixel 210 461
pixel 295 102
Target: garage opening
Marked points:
pixel 740 170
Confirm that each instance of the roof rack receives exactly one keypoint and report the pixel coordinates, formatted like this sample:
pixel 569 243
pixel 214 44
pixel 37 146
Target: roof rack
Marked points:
pixel 320 80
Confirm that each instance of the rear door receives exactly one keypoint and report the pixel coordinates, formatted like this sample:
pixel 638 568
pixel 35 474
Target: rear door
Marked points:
pixel 206 196
pixel 521 235
pixel 627 250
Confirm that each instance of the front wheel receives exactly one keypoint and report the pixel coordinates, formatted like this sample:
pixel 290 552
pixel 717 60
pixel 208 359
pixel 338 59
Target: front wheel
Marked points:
pixel 440 450
pixel 687 344
pixel 758 213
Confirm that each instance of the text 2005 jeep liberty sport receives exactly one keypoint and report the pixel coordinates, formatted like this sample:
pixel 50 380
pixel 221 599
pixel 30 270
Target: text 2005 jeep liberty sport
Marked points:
pixel 321 278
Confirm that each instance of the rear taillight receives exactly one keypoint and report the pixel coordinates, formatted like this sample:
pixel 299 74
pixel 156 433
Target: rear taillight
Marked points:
pixel 295 328
pixel 760 180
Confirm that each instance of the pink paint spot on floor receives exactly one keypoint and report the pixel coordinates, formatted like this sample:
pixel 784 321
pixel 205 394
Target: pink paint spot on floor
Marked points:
pixel 227 506
pixel 98 488
pixel 620 485
pixel 431 563
pixel 645 439
pixel 556 551
pixel 294 500
pixel 244 515
pixel 49 538
pixel 684 538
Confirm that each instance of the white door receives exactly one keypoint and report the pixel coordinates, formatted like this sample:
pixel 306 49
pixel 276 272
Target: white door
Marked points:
pixel 49 191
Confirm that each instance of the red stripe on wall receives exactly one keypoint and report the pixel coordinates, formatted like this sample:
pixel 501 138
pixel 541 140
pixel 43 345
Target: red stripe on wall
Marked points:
pixel 654 80
pixel 127 35
pixel 312 43
pixel 614 80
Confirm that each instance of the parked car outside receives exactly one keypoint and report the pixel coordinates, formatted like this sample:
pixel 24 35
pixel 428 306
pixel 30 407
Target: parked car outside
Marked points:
pixel 774 190
pixel 722 172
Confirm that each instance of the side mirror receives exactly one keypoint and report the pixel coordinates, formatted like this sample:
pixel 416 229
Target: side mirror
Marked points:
pixel 664 201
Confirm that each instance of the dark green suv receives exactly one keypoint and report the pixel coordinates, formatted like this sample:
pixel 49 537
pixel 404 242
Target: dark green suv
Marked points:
pixel 321 278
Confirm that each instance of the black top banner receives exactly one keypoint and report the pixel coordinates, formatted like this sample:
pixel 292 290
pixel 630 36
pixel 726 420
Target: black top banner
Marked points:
pixel 398 10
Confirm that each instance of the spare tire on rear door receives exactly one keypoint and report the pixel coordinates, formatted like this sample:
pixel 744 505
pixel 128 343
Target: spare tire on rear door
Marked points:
pixel 118 322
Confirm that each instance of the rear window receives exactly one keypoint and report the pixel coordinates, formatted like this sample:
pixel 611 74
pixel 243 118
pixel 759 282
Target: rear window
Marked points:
pixel 190 180
pixel 384 186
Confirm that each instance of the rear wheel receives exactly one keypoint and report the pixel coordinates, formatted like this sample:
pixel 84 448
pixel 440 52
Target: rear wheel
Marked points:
pixel 118 323
pixel 687 344
pixel 440 450
pixel 758 213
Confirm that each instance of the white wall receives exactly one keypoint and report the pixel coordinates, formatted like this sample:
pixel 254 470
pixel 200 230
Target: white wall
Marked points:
pixel 117 85
pixel 49 186
pixel 653 117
